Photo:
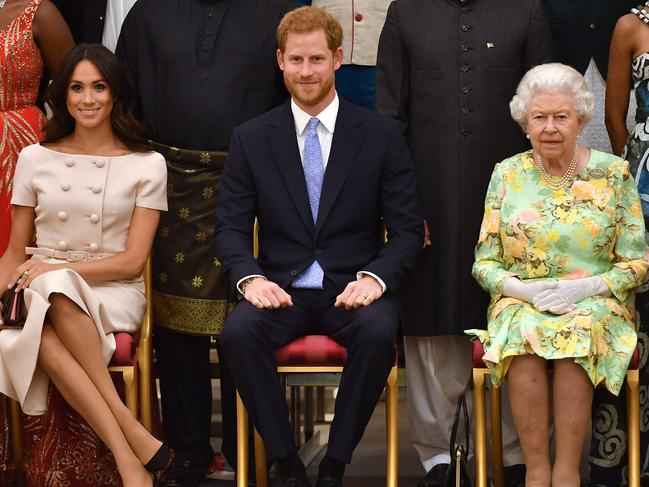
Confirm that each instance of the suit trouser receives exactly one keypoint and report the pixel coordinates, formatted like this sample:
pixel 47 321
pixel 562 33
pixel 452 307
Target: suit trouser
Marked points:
pixel 183 367
pixel 438 370
pixel 251 336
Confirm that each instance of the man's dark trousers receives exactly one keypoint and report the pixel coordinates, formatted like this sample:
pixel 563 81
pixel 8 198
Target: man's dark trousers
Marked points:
pixel 251 336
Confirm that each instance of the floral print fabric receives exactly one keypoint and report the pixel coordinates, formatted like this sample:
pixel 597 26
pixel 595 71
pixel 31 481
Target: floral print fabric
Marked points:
pixel 593 228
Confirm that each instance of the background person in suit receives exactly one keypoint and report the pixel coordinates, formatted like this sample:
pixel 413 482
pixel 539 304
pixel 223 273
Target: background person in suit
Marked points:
pixel 321 176
pixel 446 71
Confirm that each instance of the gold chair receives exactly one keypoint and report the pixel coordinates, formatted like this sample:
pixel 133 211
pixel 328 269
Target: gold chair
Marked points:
pixel 314 361
pixel 133 360
pixel 311 366
pixel 480 372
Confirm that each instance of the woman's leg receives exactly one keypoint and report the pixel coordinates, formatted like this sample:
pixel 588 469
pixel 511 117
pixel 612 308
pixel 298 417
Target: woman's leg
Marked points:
pixel 528 396
pixel 572 399
pixel 79 336
pixel 75 386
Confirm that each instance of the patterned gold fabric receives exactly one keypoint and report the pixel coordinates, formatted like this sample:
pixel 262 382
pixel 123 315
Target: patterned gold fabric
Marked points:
pixel 190 293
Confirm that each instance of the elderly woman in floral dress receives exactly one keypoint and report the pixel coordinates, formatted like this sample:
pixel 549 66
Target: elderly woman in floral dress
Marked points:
pixel 561 250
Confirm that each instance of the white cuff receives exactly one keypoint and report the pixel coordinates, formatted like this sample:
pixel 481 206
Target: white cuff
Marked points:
pixel 371 274
pixel 247 277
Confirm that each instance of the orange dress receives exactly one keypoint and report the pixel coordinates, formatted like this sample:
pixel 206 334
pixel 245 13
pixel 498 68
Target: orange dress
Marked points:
pixel 21 121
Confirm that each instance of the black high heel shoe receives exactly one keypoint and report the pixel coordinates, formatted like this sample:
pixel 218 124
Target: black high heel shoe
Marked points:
pixel 160 461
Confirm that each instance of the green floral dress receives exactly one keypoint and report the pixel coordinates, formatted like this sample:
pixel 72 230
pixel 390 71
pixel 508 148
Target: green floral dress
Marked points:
pixel 593 228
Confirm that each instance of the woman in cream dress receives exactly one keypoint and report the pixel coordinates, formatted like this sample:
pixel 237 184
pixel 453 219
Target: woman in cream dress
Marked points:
pixel 92 195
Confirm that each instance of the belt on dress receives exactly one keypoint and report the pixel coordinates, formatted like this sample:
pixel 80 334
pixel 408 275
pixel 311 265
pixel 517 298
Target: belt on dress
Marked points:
pixel 69 255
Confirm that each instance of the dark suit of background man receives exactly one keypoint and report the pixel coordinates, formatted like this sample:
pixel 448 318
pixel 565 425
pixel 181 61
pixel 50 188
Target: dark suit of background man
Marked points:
pixel 322 269
pixel 200 68
pixel 447 71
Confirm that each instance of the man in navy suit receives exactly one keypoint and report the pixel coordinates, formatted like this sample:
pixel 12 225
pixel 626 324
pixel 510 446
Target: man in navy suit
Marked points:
pixel 322 177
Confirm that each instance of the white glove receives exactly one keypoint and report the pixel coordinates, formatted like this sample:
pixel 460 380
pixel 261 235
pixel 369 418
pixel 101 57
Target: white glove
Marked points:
pixel 526 291
pixel 568 293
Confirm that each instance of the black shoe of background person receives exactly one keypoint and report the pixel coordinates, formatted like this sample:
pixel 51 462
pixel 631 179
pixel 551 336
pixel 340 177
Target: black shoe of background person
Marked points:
pixel 515 475
pixel 329 482
pixel 435 476
pixel 183 473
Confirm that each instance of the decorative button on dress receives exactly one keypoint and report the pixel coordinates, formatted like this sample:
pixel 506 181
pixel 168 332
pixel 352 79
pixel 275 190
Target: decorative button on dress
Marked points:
pixel 593 228
pixel 72 216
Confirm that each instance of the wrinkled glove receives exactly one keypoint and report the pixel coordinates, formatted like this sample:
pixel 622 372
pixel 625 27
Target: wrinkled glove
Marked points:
pixel 526 291
pixel 568 293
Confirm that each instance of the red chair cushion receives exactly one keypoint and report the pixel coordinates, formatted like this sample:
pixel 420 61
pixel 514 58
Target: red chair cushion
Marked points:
pixel 314 350
pixel 478 353
pixel 125 351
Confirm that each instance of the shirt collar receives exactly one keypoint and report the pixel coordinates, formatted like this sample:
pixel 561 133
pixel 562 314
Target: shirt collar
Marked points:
pixel 327 116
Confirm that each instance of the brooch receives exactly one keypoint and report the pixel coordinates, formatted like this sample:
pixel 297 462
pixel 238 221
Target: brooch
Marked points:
pixel 597 173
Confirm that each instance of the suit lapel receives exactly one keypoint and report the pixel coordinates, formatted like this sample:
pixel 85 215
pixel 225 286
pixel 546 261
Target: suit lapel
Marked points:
pixel 344 147
pixel 287 157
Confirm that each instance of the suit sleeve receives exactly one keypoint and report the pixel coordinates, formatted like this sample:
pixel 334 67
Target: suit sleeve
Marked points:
pixel 127 51
pixel 538 49
pixel 235 216
pixel 401 215
pixel 392 71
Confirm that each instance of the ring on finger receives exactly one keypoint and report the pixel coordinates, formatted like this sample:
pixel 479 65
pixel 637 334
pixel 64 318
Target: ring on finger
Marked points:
pixel 26 272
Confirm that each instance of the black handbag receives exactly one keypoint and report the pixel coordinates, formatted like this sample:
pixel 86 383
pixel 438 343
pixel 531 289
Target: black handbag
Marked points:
pixel 12 308
pixel 459 474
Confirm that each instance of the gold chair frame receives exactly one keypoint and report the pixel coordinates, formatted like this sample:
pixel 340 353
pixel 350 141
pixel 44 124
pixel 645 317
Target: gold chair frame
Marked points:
pixel 391 417
pixel 136 377
pixel 479 407
pixel 261 474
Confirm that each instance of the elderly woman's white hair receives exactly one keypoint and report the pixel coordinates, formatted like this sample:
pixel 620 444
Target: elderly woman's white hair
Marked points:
pixel 552 77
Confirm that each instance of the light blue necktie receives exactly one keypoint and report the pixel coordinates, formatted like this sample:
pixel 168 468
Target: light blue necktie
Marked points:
pixel 313 275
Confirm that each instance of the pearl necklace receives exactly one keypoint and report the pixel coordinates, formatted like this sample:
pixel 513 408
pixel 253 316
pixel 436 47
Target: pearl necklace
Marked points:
pixel 566 179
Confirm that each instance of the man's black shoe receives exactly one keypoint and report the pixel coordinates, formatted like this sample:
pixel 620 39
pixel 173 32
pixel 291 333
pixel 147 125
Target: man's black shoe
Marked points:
pixel 183 473
pixel 291 482
pixel 515 475
pixel 435 476
pixel 328 482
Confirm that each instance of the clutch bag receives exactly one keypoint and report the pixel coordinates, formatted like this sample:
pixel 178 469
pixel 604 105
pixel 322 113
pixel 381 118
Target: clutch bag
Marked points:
pixel 12 308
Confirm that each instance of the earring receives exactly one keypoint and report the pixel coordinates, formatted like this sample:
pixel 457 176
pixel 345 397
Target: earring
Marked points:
pixel 527 136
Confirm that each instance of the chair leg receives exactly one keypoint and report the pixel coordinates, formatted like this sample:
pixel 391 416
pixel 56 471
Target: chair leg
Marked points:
pixel 145 382
pixel 633 425
pixel 130 389
pixel 261 471
pixel 391 428
pixel 496 436
pixel 480 427
pixel 242 444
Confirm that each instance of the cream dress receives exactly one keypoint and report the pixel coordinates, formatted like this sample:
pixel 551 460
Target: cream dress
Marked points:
pixel 82 203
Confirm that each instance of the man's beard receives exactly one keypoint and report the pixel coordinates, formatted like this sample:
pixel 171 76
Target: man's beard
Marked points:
pixel 313 96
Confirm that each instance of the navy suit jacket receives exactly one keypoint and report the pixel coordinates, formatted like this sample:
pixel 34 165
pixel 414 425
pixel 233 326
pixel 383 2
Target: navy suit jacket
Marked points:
pixel 369 180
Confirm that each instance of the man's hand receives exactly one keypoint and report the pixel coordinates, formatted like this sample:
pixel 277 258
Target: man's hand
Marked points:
pixel 265 294
pixel 362 292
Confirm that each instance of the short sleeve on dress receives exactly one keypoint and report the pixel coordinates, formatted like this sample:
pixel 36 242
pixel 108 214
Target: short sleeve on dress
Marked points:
pixel 152 189
pixel 23 190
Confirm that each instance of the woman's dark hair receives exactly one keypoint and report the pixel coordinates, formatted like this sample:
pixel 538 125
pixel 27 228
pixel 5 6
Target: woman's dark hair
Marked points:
pixel 125 126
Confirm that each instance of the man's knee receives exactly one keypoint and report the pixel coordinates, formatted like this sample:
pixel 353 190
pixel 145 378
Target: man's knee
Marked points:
pixel 238 329
pixel 378 329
